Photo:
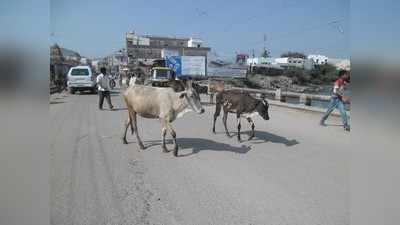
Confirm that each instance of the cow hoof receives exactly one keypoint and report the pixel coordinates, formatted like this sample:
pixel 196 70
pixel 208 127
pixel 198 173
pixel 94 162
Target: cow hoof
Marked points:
pixel 176 152
pixel 141 147
pixel 250 138
pixel 124 141
pixel 165 150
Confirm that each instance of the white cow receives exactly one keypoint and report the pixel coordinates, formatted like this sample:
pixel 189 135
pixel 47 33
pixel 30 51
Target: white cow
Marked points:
pixel 159 103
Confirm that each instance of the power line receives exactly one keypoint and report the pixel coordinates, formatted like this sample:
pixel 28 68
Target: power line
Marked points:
pixel 334 24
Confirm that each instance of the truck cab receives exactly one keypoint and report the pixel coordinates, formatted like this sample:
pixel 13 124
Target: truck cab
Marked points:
pixel 160 76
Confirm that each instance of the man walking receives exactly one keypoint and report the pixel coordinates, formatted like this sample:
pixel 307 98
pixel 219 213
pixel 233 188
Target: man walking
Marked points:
pixel 103 85
pixel 338 99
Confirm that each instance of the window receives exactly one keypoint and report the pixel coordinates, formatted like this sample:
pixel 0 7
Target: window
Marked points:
pixel 79 72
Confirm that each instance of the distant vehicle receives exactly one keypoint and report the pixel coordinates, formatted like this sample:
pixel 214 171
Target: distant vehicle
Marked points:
pixel 160 76
pixel 112 81
pixel 81 78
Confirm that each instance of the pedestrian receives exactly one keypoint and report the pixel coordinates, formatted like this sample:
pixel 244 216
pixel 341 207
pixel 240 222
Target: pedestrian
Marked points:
pixel 338 99
pixel 103 85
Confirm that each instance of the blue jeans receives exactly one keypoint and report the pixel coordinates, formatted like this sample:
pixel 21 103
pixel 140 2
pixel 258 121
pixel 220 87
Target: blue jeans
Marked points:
pixel 336 103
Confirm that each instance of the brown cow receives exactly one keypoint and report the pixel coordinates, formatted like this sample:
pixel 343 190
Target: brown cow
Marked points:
pixel 242 104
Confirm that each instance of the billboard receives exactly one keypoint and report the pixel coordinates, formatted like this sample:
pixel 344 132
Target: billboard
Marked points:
pixel 175 63
pixel 187 65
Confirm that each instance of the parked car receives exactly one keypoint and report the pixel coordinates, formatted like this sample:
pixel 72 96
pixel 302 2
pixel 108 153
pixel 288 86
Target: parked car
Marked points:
pixel 81 78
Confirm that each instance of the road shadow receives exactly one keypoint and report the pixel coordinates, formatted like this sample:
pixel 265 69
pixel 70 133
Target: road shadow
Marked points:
pixel 120 109
pixel 262 137
pixel 333 125
pixel 56 102
pixel 200 144
pixel 197 145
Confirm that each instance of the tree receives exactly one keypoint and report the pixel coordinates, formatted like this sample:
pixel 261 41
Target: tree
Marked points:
pixel 294 55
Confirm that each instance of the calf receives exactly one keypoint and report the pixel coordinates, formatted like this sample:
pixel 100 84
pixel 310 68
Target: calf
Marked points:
pixel 242 104
pixel 159 103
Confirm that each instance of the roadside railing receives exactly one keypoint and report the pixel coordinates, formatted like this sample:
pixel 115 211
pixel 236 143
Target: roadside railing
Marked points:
pixel 277 97
pixel 278 94
pixel 53 89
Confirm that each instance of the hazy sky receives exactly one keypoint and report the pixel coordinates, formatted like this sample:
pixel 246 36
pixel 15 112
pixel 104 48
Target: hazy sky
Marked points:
pixel 96 28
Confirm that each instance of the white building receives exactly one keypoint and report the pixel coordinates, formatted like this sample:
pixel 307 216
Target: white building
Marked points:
pixel 195 43
pixel 260 60
pixel 290 62
pixel 340 64
pixel 318 59
pixel 137 40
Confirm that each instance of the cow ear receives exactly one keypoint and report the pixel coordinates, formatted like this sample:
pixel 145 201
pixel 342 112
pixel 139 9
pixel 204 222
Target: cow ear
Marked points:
pixel 182 95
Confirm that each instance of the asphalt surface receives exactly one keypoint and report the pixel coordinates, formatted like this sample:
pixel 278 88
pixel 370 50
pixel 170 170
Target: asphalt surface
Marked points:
pixel 293 172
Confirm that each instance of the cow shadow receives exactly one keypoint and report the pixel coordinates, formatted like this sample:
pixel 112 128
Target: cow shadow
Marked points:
pixel 200 144
pixel 263 136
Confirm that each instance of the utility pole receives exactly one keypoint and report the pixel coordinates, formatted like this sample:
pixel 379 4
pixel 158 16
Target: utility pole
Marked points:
pixel 265 40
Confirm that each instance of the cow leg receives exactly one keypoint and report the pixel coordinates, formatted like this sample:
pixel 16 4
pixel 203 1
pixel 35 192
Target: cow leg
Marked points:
pixel 224 118
pixel 135 129
pixel 127 123
pixel 173 134
pixel 238 126
pixel 163 134
pixel 216 114
pixel 252 127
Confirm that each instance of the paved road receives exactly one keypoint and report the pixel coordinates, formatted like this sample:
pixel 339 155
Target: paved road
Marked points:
pixel 294 172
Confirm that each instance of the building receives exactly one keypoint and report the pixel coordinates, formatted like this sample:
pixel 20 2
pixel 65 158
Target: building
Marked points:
pixel 283 62
pixel 85 61
pixel 149 47
pixel 318 59
pixel 241 58
pixel 290 62
pixel 340 64
pixel 260 60
pixel 71 56
pixel 61 60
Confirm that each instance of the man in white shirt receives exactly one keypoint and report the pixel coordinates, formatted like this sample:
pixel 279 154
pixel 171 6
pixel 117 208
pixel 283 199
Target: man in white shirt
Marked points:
pixel 103 85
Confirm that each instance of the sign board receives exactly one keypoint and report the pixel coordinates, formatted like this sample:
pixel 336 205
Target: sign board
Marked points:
pixel 187 65
pixel 175 63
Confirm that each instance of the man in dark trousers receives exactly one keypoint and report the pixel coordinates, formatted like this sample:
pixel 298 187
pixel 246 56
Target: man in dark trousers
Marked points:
pixel 338 99
pixel 103 85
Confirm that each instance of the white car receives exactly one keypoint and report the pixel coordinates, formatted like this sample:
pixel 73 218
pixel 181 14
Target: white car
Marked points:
pixel 81 78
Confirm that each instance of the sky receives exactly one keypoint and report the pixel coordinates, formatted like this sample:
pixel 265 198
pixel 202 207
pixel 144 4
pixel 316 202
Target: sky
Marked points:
pixel 97 28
